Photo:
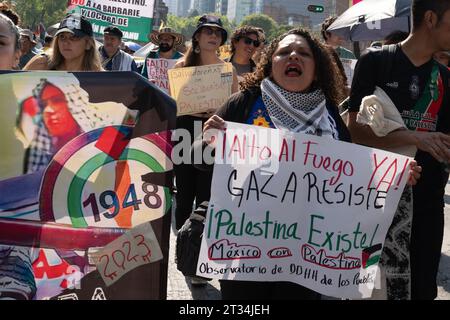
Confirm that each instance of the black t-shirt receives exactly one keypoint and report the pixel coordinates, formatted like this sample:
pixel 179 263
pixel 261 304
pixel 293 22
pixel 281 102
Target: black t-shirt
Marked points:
pixel 405 84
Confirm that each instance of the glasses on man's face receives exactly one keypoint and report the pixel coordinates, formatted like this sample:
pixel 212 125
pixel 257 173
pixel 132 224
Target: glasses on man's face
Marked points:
pixel 211 31
pixel 68 37
pixel 249 41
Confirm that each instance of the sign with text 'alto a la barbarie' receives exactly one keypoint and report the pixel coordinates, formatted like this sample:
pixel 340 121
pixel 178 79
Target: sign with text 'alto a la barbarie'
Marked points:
pixel 133 17
pixel 300 208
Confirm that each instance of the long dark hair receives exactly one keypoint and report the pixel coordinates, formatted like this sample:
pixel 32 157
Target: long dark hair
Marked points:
pixel 328 77
pixel 191 58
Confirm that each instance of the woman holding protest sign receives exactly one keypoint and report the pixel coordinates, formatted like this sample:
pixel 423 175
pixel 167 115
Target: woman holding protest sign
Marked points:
pixel 73 49
pixel 288 89
pixel 296 87
pixel 16 273
pixel 193 184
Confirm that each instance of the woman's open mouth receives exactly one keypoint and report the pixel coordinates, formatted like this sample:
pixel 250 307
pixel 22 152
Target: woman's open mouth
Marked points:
pixel 293 70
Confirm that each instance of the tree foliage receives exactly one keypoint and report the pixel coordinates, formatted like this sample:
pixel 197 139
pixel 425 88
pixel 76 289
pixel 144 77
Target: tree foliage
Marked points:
pixel 33 12
pixel 261 21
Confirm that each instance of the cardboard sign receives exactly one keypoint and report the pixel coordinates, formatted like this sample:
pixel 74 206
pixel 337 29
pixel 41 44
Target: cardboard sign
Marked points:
pixel 201 89
pixel 299 208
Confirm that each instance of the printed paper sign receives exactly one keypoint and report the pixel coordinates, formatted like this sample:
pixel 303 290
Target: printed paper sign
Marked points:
pixel 201 89
pixel 349 68
pixel 157 72
pixel 136 247
pixel 299 208
pixel 133 18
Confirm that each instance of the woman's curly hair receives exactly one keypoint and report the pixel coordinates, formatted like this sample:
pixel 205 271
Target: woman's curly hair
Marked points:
pixel 328 78
pixel 8 10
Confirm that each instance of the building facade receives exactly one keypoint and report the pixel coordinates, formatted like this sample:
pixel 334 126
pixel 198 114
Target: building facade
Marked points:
pixel 239 9
pixel 172 5
pixel 294 12
pixel 222 7
pixel 183 7
pixel 204 6
pixel 160 12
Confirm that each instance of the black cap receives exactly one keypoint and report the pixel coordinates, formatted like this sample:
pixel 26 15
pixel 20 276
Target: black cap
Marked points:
pixel 75 24
pixel 211 21
pixel 113 31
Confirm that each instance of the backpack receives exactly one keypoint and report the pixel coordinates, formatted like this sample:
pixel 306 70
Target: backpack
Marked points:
pixel 189 240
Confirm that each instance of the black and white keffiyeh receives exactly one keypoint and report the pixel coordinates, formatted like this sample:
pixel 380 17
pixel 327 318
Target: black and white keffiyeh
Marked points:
pixel 87 116
pixel 298 112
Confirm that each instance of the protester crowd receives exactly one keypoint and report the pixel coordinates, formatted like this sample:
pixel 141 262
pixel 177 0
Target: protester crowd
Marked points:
pixel 412 70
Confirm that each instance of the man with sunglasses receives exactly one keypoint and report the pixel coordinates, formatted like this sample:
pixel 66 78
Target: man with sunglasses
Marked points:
pixel 244 42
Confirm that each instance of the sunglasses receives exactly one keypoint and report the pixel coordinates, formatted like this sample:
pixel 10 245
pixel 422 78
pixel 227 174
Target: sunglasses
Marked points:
pixel 249 41
pixel 68 37
pixel 211 31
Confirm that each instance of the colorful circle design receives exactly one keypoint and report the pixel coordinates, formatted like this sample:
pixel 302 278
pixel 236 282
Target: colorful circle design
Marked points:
pixel 95 180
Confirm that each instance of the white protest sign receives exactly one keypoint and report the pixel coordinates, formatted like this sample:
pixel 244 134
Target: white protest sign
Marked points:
pixel 136 247
pixel 349 68
pixel 201 89
pixel 157 72
pixel 299 208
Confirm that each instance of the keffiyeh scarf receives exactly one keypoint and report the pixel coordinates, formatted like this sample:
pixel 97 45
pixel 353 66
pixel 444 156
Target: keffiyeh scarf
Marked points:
pixel 298 112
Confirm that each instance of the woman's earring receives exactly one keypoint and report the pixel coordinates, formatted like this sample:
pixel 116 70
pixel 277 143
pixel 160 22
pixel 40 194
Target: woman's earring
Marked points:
pixel 197 50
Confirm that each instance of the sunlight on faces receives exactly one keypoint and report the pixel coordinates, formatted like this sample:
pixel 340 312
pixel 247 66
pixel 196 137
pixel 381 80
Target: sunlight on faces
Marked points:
pixel 209 38
pixel 293 64
pixel 111 43
pixel 9 57
pixel 71 46
pixel 166 42
pixel 25 44
pixel 246 49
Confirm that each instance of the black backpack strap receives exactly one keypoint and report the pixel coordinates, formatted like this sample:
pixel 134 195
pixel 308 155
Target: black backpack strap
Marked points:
pixel 386 63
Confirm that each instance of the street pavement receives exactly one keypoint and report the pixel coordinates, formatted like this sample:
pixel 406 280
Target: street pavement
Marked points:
pixel 179 287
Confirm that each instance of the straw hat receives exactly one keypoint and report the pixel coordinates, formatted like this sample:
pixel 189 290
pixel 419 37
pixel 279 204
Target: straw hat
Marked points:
pixel 155 35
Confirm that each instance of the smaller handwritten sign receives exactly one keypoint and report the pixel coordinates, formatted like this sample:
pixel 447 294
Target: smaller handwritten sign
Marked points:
pixel 349 68
pixel 201 89
pixel 157 72
pixel 136 247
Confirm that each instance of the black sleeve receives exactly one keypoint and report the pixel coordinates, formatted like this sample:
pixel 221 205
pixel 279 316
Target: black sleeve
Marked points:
pixel 229 111
pixel 364 80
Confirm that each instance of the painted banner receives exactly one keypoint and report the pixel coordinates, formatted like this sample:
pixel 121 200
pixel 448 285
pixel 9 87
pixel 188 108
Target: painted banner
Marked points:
pixel 299 208
pixel 157 72
pixel 201 89
pixel 134 17
pixel 86 171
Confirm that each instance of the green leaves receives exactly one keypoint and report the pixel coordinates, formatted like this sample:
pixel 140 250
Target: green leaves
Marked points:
pixel 32 12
